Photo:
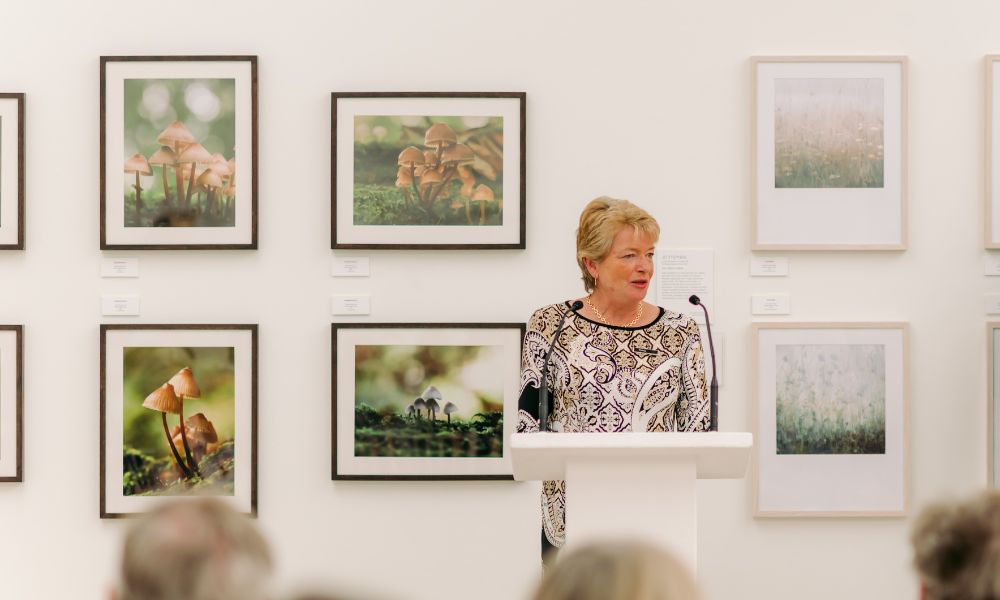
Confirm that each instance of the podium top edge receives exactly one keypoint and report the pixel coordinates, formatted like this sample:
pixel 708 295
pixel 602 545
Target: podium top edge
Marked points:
pixel 693 440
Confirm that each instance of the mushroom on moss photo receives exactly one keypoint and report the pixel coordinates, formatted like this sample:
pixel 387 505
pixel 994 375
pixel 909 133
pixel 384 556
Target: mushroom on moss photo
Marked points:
pixel 428 401
pixel 428 170
pixel 180 138
pixel 178 421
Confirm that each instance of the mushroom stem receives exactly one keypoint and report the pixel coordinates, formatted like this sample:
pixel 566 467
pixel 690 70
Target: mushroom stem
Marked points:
pixel 406 194
pixel 187 449
pixel 166 186
pixel 444 182
pixel 468 211
pixel 173 450
pixel 179 180
pixel 187 195
pixel 482 212
pixel 138 200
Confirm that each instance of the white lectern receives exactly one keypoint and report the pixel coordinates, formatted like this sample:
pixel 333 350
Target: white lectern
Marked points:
pixel 632 484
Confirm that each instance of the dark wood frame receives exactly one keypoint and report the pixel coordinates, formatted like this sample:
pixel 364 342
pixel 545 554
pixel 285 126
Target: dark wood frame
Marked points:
pixel 19 409
pixel 19 244
pixel 333 404
pixel 520 245
pixel 252 328
pixel 252 245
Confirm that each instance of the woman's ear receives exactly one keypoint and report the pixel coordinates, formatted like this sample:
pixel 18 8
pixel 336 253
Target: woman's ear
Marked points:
pixel 591 267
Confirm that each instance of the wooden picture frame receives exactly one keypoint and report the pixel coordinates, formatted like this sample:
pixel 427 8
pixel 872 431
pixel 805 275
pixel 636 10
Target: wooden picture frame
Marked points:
pixel 12 171
pixel 993 404
pixel 11 403
pixel 991 230
pixel 472 143
pixel 385 377
pixel 829 153
pixel 831 414
pixel 185 129
pixel 204 373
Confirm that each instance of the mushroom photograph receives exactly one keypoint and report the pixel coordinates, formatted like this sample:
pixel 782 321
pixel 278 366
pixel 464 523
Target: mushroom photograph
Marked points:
pixel 180 147
pixel 428 170
pixel 428 401
pixel 178 419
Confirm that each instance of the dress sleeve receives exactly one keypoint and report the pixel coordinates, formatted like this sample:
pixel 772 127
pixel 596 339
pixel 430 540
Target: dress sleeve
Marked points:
pixel 532 358
pixel 693 406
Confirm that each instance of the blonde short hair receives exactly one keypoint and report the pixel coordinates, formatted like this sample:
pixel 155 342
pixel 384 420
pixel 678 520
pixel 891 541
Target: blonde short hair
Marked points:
pixel 956 549
pixel 618 570
pixel 600 222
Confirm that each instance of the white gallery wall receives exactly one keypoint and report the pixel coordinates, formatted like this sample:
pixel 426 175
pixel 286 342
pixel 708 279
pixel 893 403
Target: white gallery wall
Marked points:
pixel 642 100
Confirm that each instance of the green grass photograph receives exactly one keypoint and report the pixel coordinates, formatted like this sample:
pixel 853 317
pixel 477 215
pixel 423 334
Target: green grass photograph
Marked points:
pixel 830 399
pixel 829 133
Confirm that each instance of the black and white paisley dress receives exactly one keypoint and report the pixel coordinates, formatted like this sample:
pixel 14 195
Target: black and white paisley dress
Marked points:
pixel 607 378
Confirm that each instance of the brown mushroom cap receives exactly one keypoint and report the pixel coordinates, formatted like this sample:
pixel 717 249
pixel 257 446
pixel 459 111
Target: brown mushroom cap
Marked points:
pixel 195 153
pixel 430 176
pixel 220 166
pixel 176 132
pixel 411 157
pixel 482 194
pixel 164 156
pixel 440 136
pixel 163 400
pixel 403 177
pixel 458 154
pixel 184 384
pixel 137 163
pixel 210 179
pixel 201 428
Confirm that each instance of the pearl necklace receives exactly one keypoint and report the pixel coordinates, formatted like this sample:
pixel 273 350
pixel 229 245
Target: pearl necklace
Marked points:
pixel 631 323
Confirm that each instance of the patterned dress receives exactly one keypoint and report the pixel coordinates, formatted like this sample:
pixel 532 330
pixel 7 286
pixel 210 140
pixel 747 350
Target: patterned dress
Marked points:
pixel 607 378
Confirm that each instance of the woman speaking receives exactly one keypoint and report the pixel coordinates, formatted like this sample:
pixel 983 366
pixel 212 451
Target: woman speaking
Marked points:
pixel 620 363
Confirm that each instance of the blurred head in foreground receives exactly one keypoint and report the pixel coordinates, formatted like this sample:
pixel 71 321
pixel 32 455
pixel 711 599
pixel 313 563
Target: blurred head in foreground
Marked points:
pixel 957 549
pixel 618 571
pixel 194 550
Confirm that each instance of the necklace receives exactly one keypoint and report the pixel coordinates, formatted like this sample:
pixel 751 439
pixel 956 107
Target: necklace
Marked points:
pixel 631 323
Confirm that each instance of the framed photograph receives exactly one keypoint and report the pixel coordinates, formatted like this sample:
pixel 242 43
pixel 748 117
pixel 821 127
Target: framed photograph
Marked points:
pixel 992 158
pixel 831 419
pixel 829 157
pixel 11 400
pixel 178 152
pixel 428 170
pixel 12 171
pixel 993 404
pixel 178 415
pixel 424 400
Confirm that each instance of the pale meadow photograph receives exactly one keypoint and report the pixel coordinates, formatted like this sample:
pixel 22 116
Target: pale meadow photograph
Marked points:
pixel 830 399
pixel 829 132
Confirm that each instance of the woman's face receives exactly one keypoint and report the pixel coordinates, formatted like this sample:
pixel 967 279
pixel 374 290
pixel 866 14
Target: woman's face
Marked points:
pixel 624 274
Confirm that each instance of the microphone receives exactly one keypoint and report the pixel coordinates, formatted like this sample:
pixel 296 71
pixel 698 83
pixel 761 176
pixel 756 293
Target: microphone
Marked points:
pixel 543 392
pixel 714 386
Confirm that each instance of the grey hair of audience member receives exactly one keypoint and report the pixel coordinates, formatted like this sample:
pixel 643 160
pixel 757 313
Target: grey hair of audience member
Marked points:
pixel 618 570
pixel 956 549
pixel 194 550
